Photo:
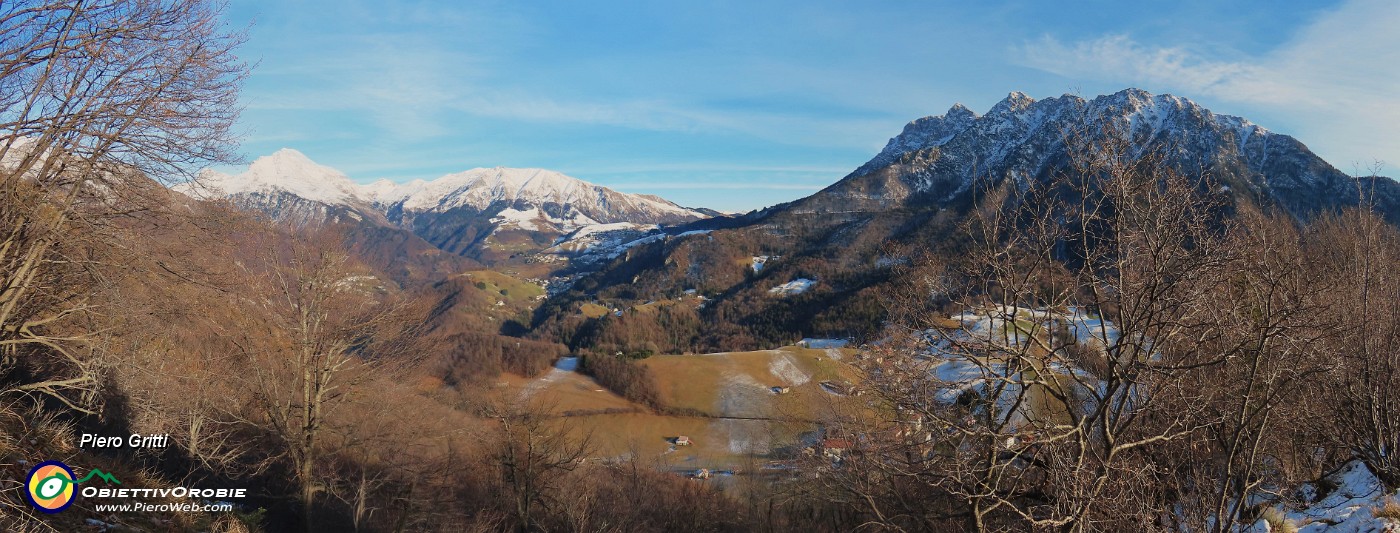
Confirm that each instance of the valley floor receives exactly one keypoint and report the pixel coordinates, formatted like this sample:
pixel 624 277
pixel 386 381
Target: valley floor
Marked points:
pixel 740 410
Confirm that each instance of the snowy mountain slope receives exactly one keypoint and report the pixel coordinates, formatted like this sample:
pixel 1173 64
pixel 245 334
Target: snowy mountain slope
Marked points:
pixel 915 194
pixel 285 170
pixel 938 159
pixel 561 199
pixel 492 214
pixel 509 214
pixel 287 185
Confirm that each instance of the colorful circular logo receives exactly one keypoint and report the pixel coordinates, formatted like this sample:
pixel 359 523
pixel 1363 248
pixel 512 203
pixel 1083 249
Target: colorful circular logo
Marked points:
pixel 50 486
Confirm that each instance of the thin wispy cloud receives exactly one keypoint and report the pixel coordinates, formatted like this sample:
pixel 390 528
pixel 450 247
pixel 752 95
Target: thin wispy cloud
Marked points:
pixel 782 93
pixel 1336 77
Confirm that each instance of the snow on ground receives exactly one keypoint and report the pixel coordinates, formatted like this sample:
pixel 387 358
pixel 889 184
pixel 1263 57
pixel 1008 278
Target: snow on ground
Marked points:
pixel 830 389
pixel 886 261
pixel 589 235
pixel 1347 509
pixel 991 328
pixel 786 369
pixel 605 244
pixel 563 367
pixel 740 394
pixel 823 344
pixel 638 242
pixel 747 436
pixel 521 219
pixel 1088 327
pixel 962 374
pixel 602 241
pixel 797 286
pixel 758 262
pixel 957 371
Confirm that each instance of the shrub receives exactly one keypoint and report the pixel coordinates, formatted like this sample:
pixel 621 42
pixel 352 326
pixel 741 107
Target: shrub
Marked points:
pixel 1390 510
pixel 1278 523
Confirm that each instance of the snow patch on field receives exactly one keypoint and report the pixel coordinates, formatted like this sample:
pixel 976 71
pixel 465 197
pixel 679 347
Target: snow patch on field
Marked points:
pixel 591 235
pixel 797 286
pixel 758 262
pixel 962 375
pixel 747 436
pixel 1088 327
pixel 822 344
pixel 563 367
pixel 787 370
pixel 743 396
pixel 958 371
pixel 521 219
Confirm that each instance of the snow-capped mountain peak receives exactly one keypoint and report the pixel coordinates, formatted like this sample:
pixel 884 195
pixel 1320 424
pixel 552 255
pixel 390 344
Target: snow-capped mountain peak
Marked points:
pixel 562 198
pixel 473 213
pixel 564 201
pixel 379 188
pixel 923 133
pixel 479 187
pixel 936 159
pixel 287 171
pixel 1015 102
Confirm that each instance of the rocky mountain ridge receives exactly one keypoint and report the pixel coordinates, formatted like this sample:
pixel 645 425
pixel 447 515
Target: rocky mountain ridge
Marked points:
pixel 937 159
pixel 494 215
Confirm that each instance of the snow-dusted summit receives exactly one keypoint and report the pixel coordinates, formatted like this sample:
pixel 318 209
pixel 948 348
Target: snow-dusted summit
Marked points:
pixel 286 185
pixel 939 159
pixel 464 213
pixel 284 171
pixel 522 194
pixel 563 200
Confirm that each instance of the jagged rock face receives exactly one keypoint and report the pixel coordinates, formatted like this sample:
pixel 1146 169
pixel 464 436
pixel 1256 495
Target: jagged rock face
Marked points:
pixel 288 207
pixel 920 134
pixel 937 159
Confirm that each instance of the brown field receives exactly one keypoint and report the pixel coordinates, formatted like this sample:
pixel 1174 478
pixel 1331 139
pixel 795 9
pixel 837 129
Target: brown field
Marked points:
pixel 592 310
pixel 743 422
pixel 736 383
pixel 496 282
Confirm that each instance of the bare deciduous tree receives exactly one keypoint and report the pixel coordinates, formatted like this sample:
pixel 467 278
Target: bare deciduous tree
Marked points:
pixel 1364 252
pixel 316 330
pixel 93 96
pixel 534 450
pixel 1089 296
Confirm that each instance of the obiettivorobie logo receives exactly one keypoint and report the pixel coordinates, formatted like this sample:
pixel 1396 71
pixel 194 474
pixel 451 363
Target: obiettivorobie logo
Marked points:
pixel 51 485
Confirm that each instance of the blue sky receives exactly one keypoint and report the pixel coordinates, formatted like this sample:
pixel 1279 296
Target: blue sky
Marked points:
pixel 738 105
